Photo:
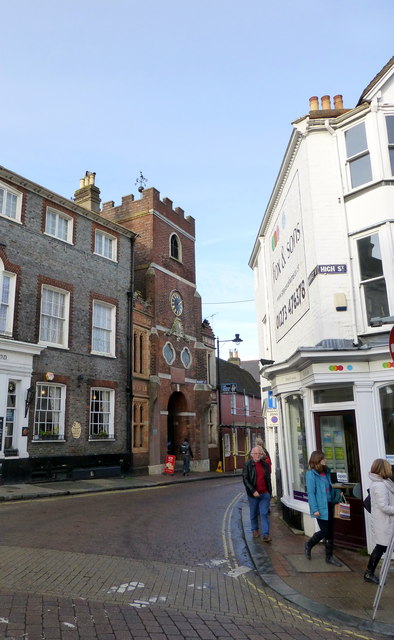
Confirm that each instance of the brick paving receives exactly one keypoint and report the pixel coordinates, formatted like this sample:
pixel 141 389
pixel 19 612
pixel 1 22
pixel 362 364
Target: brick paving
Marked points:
pixel 51 595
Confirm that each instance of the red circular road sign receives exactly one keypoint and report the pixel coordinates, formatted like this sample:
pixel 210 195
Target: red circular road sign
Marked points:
pixel 391 343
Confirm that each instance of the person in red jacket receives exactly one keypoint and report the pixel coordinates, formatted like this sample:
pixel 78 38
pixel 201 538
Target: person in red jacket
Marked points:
pixel 256 476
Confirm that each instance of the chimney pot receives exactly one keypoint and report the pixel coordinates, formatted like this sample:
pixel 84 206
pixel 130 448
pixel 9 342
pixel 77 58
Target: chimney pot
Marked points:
pixel 325 102
pixel 338 102
pixel 314 103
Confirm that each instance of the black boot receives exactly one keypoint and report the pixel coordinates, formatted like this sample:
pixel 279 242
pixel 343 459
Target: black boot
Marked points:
pixel 311 543
pixel 330 559
pixel 369 575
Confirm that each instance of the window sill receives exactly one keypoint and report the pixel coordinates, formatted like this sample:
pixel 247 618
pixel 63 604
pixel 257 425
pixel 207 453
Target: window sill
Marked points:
pixel 100 255
pixel 103 355
pixel 101 439
pixel 49 439
pixel 50 235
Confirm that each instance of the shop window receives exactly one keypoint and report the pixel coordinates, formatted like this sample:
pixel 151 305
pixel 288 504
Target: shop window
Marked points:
pixel 390 136
pixel 10 419
pixel 294 410
pixel 372 278
pixel 49 412
pixel 386 395
pixel 357 154
pixel 226 445
pixel 333 394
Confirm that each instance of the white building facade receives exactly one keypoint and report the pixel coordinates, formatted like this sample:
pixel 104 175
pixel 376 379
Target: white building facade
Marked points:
pixel 324 268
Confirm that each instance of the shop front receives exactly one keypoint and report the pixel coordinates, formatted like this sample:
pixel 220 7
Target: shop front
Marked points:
pixel 345 410
pixel 16 365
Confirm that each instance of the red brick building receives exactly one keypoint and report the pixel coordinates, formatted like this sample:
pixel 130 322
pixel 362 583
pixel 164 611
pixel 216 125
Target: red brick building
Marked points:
pixel 174 360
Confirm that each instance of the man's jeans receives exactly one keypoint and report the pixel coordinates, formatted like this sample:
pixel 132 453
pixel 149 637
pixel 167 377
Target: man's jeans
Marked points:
pixel 260 505
pixel 186 463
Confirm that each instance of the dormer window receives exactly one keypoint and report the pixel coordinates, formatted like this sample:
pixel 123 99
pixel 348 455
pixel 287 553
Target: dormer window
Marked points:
pixel 175 247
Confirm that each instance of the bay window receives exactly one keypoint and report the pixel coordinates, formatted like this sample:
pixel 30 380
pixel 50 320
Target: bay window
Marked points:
pixel 357 154
pixel 372 280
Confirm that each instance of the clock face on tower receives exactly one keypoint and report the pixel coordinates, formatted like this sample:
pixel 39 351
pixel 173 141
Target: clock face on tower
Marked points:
pixel 176 303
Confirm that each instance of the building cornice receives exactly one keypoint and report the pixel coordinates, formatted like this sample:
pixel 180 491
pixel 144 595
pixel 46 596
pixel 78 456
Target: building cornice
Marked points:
pixel 16 179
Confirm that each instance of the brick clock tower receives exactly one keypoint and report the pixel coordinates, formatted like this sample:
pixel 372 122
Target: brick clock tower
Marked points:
pixel 174 351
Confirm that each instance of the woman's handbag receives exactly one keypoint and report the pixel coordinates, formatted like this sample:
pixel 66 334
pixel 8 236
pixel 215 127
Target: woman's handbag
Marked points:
pixel 367 502
pixel 342 510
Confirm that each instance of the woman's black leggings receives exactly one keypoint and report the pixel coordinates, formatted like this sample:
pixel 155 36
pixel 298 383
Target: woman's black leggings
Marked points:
pixel 326 526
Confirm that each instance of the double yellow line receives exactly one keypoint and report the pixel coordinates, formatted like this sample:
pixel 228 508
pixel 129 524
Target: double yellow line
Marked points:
pixel 230 556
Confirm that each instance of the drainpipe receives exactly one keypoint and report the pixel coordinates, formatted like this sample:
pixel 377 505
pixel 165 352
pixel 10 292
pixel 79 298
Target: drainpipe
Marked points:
pixel 129 358
pixel 349 258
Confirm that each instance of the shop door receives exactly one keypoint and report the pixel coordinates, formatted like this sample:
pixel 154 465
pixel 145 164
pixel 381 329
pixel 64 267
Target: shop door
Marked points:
pixel 336 435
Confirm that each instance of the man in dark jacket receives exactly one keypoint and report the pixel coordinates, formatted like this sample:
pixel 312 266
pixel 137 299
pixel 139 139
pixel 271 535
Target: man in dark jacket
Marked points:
pixel 187 453
pixel 256 476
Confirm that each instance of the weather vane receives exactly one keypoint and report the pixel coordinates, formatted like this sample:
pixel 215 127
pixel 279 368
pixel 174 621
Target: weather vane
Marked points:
pixel 142 182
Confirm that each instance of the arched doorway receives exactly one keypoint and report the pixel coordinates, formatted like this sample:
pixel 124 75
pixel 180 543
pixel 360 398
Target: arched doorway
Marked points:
pixel 177 424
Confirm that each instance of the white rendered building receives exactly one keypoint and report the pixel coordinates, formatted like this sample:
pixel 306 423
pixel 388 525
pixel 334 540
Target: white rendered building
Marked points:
pixel 324 267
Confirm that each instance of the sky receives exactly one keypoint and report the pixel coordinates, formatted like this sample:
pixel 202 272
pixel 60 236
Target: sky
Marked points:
pixel 199 95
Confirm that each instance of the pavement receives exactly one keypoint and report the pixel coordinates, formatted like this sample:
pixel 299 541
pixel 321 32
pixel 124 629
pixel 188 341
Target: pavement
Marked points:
pixel 338 594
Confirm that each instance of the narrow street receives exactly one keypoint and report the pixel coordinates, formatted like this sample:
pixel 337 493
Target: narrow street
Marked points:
pixel 155 563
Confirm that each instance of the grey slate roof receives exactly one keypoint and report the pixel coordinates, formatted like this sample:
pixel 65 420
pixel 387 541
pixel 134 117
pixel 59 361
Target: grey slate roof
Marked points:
pixel 229 372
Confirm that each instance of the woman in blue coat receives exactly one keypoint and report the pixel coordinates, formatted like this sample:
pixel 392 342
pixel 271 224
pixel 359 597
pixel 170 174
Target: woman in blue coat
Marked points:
pixel 321 498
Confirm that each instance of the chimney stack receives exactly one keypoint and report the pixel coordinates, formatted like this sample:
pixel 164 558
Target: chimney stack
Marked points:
pixel 338 102
pixel 325 103
pixel 88 195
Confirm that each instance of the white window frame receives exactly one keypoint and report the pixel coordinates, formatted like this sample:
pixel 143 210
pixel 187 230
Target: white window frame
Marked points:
pixel 102 329
pixel 9 191
pixel 105 239
pixel 59 216
pixel 388 279
pixel 390 144
pixel 62 320
pixel 108 398
pixel 247 405
pixel 7 300
pixel 56 432
pixel 363 153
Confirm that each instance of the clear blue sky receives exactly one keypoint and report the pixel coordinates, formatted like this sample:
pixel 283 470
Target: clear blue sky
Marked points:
pixel 198 94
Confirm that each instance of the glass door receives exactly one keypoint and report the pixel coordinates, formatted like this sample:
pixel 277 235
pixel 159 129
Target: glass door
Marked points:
pixel 336 435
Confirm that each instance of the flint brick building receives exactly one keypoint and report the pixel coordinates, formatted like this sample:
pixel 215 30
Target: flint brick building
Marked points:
pixel 65 322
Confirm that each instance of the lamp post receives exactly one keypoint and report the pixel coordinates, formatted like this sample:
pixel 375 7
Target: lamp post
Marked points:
pixel 237 340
